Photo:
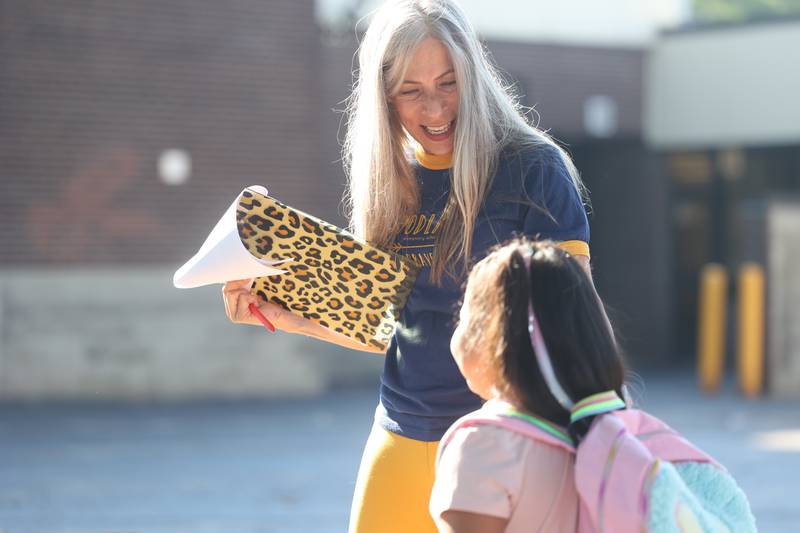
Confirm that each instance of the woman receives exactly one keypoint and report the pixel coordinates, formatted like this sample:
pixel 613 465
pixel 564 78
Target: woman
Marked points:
pixel 442 165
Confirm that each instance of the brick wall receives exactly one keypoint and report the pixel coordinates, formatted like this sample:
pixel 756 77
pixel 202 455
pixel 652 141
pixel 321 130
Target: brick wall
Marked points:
pixel 557 80
pixel 91 93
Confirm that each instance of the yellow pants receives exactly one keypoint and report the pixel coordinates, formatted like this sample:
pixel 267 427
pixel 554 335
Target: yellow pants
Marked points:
pixel 394 485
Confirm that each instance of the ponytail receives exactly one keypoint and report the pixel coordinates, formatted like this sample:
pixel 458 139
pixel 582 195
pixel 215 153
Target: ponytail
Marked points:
pixel 546 330
pixel 560 358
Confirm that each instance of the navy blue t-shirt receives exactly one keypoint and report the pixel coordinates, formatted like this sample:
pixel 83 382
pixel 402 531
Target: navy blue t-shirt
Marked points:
pixel 422 391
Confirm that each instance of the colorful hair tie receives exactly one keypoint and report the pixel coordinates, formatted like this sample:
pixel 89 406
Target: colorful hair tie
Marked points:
pixel 602 402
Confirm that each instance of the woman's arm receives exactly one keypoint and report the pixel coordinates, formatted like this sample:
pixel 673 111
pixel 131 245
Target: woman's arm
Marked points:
pixel 465 522
pixel 237 298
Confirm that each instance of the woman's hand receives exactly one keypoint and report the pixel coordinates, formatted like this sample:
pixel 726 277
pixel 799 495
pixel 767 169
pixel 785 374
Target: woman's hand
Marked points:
pixel 237 297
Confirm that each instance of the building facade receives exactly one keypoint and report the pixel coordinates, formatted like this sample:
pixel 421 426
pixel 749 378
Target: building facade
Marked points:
pixel 127 129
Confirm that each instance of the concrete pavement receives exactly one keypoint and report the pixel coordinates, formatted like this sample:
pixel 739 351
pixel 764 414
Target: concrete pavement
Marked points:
pixel 290 466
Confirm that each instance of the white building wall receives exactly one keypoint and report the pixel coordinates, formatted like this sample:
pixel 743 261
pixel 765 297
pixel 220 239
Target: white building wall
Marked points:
pixel 128 335
pixel 724 87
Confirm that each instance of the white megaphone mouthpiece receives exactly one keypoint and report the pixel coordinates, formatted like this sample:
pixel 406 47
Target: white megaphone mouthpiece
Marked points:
pixel 223 257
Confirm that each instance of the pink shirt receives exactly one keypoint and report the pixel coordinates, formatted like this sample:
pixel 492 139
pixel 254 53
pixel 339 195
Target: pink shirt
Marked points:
pixel 493 471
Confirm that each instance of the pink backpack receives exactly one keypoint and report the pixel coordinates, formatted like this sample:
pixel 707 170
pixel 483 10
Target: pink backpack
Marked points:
pixel 634 473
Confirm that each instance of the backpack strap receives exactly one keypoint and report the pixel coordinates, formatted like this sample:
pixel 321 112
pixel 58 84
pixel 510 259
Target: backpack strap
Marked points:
pixel 612 469
pixel 523 424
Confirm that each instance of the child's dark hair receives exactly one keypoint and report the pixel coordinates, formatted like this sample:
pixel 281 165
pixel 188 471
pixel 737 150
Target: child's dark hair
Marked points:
pixel 576 331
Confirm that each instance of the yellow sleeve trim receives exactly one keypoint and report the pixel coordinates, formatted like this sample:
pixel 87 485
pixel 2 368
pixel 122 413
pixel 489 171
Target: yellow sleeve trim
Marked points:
pixel 575 247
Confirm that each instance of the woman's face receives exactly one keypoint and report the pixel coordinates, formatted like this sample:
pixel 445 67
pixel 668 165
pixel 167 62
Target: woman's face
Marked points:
pixel 473 361
pixel 427 102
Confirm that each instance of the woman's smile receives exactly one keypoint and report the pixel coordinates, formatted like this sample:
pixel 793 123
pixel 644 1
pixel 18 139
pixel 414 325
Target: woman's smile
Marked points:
pixel 439 133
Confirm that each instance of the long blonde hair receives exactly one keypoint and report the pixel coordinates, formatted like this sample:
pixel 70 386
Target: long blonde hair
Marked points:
pixel 382 188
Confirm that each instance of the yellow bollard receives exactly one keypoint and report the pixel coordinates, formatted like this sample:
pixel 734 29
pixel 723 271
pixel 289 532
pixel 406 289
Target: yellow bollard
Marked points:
pixel 750 334
pixel 711 326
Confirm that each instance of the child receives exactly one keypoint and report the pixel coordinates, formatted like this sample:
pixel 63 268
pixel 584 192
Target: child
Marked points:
pixel 533 339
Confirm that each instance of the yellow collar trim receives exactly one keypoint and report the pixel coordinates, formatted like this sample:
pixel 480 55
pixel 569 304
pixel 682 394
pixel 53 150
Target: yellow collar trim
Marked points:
pixel 432 161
